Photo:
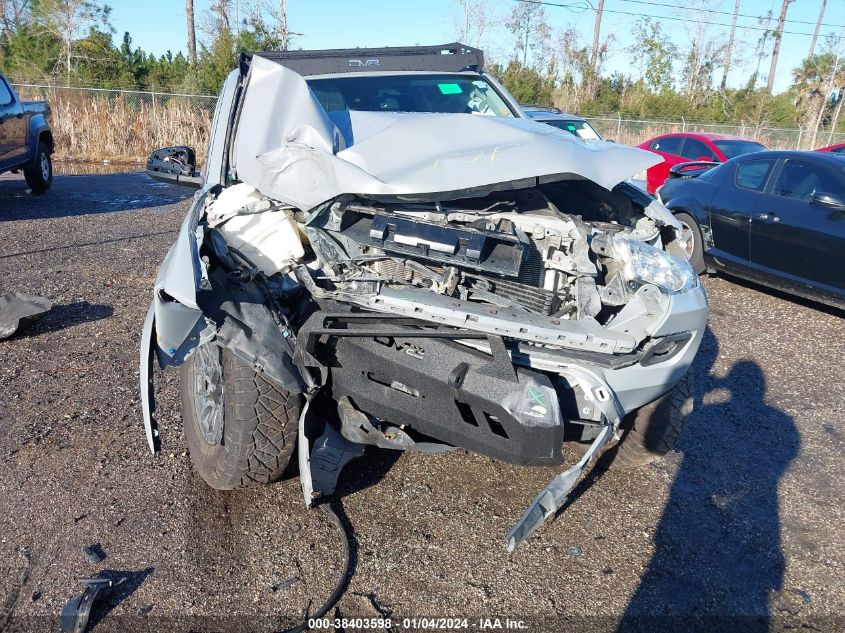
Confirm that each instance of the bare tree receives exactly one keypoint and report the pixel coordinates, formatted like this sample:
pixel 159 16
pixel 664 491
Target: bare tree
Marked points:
pixel 220 9
pixel 471 21
pixel 765 21
pixel 816 32
pixel 596 34
pixel 776 50
pixel 526 22
pixel 270 19
pixel 283 24
pixel 216 19
pixel 730 47
pixel 704 53
pixel 14 13
pixel 575 66
pixel 192 32
pixel 69 21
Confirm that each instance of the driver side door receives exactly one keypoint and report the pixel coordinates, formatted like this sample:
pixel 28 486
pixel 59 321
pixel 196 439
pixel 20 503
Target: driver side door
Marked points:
pixel 734 205
pixel 12 127
pixel 795 237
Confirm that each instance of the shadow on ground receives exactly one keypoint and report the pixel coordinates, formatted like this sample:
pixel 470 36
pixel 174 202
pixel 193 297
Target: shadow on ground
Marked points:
pixel 718 556
pixel 786 296
pixel 86 194
pixel 126 583
pixel 69 315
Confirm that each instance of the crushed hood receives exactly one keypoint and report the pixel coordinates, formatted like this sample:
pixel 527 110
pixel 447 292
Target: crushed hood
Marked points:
pixel 290 149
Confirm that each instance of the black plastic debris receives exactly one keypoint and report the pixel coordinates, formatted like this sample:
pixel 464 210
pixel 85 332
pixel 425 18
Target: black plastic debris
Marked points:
pixel 102 594
pixel 19 311
pixel 76 613
pixel 94 553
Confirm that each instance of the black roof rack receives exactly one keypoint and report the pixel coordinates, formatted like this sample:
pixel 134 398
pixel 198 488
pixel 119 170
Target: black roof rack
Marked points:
pixel 453 57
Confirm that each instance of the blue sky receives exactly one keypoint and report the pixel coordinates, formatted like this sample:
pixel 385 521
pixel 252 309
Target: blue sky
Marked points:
pixel 159 25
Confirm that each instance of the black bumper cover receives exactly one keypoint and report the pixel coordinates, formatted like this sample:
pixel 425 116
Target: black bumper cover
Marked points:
pixel 423 380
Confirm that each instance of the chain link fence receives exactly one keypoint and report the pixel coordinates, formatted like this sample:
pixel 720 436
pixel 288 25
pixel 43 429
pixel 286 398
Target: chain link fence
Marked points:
pixel 122 125
pixel 126 125
pixel 634 132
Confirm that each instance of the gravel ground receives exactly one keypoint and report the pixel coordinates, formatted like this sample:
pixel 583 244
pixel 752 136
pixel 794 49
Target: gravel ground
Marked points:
pixel 741 528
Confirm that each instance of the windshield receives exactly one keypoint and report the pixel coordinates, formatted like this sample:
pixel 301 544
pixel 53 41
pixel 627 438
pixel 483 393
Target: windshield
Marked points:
pixel 443 94
pixel 732 149
pixel 581 129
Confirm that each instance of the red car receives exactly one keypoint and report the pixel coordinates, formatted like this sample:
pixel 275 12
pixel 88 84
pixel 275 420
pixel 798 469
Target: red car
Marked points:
pixel 685 147
pixel 836 149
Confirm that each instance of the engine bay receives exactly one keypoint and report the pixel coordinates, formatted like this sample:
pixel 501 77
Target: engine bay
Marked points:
pixel 543 264
pixel 514 249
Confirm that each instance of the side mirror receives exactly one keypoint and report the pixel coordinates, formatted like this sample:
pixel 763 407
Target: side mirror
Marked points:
pixel 829 200
pixel 176 166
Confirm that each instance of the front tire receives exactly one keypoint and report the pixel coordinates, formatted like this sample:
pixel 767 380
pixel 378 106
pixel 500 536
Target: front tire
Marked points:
pixel 652 430
pixel 241 427
pixel 696 252
pixel 39 175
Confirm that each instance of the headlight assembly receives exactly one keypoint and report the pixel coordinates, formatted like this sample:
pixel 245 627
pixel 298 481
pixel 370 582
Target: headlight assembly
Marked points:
pixel 643 263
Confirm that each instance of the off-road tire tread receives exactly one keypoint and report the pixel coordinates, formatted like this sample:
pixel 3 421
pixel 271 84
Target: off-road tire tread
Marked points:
pixel 653 430
pixel 259 428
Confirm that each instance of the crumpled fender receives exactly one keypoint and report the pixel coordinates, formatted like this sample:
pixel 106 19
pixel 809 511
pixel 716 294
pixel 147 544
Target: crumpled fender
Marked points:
pixel 181 274
pixel 189 310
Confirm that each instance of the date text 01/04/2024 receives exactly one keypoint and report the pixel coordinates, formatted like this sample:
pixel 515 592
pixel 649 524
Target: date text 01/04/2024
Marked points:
pixel 414 624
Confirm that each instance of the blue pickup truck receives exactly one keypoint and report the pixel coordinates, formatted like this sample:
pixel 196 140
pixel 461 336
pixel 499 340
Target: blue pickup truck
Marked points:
pixel 26 141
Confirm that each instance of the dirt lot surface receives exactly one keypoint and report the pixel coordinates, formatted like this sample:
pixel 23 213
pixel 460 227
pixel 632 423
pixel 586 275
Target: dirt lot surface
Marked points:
pixel 740 529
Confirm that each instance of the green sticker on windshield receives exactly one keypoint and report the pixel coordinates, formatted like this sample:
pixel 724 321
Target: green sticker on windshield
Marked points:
pixel 450 89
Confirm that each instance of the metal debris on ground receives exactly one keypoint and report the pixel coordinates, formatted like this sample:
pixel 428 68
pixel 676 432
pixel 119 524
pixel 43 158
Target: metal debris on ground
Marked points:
pixel 284 584
pixel 19 311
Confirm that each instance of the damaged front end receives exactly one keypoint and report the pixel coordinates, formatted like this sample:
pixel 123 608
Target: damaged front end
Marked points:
pixel 499 289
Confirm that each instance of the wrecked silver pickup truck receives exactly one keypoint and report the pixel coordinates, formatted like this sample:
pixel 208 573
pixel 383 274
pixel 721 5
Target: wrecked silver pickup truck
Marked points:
pixel 386 251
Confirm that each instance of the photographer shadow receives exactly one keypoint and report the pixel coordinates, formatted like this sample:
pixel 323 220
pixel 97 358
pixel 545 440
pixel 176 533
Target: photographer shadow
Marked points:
pixel 718 557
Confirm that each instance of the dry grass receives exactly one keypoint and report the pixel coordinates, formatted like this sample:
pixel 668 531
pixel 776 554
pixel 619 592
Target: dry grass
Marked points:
pixel 124 127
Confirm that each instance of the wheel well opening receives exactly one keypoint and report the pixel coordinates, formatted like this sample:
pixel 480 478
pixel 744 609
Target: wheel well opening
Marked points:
pixel 46 137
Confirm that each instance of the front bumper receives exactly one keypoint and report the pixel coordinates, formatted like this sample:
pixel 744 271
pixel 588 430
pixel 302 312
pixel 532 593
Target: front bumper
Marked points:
pixel 637 385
